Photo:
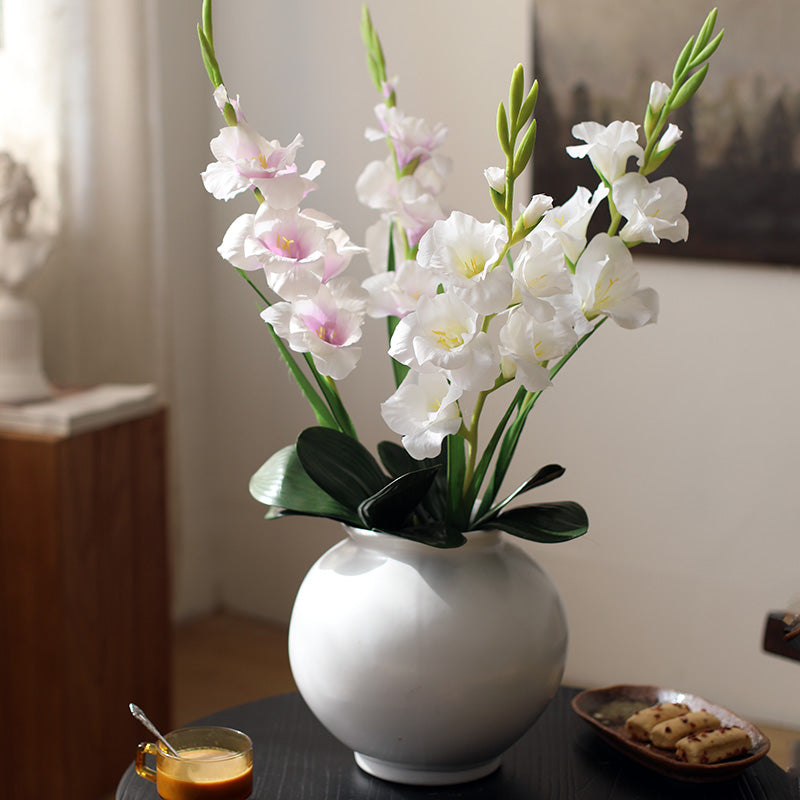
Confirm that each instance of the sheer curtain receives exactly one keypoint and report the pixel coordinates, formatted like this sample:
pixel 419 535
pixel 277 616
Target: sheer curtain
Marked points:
pixel 76 101
pixel 106 102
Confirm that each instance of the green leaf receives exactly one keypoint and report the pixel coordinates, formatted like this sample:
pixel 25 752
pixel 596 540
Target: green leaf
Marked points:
pixel 397 460
pixel 390 508
pixel 212 67
pixel 340 466
pixel 545 475
pixel 281 482
pixel 525 150
pixel 683 60
pixel 321 412
pixel 208 26
pixel 707 51
pixel 515 92
pixel 498 201
pixel 547 523
pixel 689 88
pixel 526 112
pixel 705 31
pixel 434 534
pixel 457 514
pixel 488 451
pixel 502 130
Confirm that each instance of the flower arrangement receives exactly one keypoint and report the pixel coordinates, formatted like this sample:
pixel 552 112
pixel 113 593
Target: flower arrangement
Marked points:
pixel 477 311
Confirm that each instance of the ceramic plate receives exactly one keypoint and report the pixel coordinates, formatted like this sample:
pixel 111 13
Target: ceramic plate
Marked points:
pixel 607 709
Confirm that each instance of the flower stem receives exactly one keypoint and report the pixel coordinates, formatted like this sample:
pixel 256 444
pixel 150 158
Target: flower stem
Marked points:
pixel 472 439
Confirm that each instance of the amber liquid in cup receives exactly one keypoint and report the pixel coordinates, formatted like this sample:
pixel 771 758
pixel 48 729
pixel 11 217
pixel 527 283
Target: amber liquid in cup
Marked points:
pixel 214 764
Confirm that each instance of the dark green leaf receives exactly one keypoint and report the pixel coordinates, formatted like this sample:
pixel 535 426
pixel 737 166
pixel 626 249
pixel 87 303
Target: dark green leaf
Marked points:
pixel 545 522
pixel 457 514
pixel 545 475
pixel 339 465
pixel 397 460
pixel 434 534
pixel 390 508
pixel 282 483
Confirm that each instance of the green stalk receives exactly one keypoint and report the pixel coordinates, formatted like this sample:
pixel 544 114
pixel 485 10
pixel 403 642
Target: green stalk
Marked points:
pixel 473 488
pixel 472 439
pixel 327 407
pixel 511 439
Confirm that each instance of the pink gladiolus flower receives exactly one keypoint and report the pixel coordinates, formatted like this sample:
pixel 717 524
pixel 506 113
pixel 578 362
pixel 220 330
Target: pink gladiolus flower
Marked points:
pixel 326 325
pixel 413 138
pixel 246 160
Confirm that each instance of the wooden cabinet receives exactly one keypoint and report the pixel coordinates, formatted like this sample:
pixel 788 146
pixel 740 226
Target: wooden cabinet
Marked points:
pixel 84 605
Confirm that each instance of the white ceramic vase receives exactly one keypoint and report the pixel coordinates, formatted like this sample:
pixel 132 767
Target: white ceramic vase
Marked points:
pixel 428 663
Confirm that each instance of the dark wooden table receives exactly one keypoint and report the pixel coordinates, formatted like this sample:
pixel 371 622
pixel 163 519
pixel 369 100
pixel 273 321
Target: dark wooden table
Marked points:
pixel 560 758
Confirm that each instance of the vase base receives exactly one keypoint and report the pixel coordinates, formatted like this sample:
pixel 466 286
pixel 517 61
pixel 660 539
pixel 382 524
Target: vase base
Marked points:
pixel 425 776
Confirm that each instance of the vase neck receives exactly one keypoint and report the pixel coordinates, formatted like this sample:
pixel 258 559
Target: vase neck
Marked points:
pixel 388 542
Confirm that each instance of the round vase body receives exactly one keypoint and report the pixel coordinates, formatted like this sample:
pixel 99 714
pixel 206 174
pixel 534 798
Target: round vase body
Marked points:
pixel 428 663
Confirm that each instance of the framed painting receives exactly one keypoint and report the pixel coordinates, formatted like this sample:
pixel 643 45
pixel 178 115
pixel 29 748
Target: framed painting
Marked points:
pixel 739 156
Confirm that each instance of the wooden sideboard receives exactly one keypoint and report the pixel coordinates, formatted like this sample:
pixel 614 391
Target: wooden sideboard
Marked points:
pixel 84 604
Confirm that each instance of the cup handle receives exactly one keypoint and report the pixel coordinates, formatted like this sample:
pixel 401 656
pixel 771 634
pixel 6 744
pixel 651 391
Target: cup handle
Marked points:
pixel 142 770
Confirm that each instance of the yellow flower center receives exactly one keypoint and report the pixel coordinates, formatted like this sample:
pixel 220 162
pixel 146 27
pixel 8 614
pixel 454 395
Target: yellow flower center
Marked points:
pixel 326 335
pixel 472 267
pixel 448 340
pixel 602 295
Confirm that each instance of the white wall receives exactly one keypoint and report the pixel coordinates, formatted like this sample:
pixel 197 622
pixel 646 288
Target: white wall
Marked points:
pixel 682 442
pixel 315 81
pixel 681 439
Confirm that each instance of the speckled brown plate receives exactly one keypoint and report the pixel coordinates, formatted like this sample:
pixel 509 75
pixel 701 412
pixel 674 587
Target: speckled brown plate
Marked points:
pixel 607 709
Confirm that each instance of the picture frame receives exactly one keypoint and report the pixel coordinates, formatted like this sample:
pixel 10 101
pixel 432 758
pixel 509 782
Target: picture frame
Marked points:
pixel 739 156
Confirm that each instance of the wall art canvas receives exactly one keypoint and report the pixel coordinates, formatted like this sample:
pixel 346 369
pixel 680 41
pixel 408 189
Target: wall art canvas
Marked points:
pixel 740 153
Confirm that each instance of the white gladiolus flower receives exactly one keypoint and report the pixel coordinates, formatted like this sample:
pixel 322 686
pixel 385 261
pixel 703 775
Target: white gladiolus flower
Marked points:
pixel 670 138
pixel 496 178
pixel 462 251
pixel 444 335
pixel 376 239
pixel 606 282
pixel 536 208
pixel 608 147
pixel 568 222
pixel 526 341
pixel 397 293
pixel 424 410
pixel 653 210
pixel 232 246
pixel 659 92
pixel 539 269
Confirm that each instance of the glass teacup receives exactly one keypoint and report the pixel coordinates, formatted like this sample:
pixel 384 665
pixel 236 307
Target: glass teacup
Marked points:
pixel 215 764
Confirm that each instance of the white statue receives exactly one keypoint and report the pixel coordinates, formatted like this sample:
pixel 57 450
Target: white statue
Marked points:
pixel 21 254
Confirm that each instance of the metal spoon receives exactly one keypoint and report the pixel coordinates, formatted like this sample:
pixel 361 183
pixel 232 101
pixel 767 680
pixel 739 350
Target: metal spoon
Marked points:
pixel 142 717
